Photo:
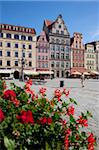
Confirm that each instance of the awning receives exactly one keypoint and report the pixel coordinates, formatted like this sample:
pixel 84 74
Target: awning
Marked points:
pixel 76 73
pixel 46 72
pixel 86 73
pixel 5 71
pixel 94 73
pixel 30 72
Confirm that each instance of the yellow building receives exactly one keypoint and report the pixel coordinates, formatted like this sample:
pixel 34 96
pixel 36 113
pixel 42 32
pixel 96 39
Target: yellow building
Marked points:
pixel 90 57
pixel 17 46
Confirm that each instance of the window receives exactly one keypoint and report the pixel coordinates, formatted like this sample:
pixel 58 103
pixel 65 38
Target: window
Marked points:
pixel 8 62
pixel 16 63
pixel 67 49
pixel 8 53
pixel 1 35
pixel 23 54
pixel 8 44
pixel 23 37
pixel 39 65
pixel 53 47
pixel 42 50
pixel 46 57
pixel 57 55
pixel 8 35
pixel 39 50
pixel 57 31
pixel 59 26
pixel 52 64
pixel 30 38
pixel 67 57
pixel 58 48
pixel 30 55
pixel 16 45
pixel 16 54
pixel 67 65
pixel 23 46
pixel 67 42
pixel 57 64
pixel 42 57
pixel 16 36
pixel 62 64
pixel 46 65
pixel 62 41
pixel 42 65
pixel 30 63
pixel 62 56
pixel 0 53
pixel 0 43
pixel 62 48
pixel 62 32
pixel 0 62
pixel 39 57
pixel 52 55
pixel 57 41
pixel 30 46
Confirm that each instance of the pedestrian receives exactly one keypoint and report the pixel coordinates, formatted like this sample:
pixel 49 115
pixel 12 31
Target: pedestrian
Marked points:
pixel 82 80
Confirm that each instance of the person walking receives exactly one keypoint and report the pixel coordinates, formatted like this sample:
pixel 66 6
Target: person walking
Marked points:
pixel 82 80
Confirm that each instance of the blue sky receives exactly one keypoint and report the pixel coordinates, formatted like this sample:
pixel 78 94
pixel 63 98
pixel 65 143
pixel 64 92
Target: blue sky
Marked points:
pixel 79 16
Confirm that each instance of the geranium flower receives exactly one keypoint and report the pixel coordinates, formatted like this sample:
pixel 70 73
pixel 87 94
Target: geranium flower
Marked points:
pixel 42 91
pixel 66 92
pixel 9 95
pixel 26 117
pixel 58 94
pixel 1 115
pixel 82 121
pixel 70 110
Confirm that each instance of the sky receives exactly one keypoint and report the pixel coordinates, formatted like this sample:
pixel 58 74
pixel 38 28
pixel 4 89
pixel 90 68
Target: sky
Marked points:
pixel 79 16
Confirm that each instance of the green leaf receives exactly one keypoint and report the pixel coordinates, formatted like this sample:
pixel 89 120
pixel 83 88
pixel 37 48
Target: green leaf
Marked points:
pixel 72 120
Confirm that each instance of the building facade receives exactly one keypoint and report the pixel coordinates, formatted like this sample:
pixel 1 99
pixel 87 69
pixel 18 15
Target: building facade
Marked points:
pixel 77 53
pixel 59 43
pixel 96 48
pixel 90 57
pixel 42 53
pixel 17 42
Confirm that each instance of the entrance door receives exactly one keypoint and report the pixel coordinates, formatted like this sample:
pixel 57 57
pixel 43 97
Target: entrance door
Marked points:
pixel 16 75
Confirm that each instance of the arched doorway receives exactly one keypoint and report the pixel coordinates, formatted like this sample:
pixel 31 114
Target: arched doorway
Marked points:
pixel 67 74
pixel 16 74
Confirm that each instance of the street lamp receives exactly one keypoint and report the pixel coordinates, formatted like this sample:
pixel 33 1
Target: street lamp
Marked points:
pixel 22 66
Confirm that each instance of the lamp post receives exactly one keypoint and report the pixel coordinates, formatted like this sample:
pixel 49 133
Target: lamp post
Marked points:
pixel 22 66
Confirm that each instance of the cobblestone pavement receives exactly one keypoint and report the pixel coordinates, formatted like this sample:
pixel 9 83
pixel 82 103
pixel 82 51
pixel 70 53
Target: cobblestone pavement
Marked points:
pixel 87 97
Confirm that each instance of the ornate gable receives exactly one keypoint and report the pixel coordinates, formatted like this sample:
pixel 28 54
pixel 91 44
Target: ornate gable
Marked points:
pixel 59 26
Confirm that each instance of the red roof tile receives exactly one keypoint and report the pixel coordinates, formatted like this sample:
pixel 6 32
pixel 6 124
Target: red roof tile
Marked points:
pixel 48 22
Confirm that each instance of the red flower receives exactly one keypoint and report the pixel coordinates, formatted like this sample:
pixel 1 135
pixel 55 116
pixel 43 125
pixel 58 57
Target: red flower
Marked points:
pixel 29 82
pixel 26 117
pixel 9 95
pixel 49 120
pixel 66 92
pixel 66 142
pixel 43 120
pixel 91 138
pixel 58 94
pixel 1 115
pixel 42 91
pixel 70 110
pixel 83 122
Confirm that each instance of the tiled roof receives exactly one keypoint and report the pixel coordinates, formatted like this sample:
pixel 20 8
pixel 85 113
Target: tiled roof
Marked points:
pixel 48 22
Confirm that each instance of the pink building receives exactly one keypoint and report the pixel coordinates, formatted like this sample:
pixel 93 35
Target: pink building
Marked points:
pixel 77 53
pixel 42 55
